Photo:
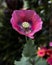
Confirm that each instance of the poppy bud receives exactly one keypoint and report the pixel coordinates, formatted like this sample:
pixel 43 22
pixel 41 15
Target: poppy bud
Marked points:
pixel 14 4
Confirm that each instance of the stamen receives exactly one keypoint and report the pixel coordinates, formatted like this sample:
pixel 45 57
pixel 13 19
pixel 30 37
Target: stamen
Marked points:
pixel 26 25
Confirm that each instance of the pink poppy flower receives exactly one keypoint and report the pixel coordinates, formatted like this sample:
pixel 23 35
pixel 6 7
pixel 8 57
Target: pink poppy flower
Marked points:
pixel 49 60
pixel 26 22
pixel 50 44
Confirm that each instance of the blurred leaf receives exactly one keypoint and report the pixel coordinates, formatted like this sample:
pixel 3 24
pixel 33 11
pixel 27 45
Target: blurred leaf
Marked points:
pixel 29 49
pixel 23 61
pixel 1 25
pixel 41 61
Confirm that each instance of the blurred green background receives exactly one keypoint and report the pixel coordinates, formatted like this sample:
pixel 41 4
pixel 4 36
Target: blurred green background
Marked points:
pixel 11 42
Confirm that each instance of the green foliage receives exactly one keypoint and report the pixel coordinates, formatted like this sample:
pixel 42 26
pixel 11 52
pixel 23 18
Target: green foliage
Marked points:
pixel 31 61
pixel 23 61
pixel 29 49
pixel 41 61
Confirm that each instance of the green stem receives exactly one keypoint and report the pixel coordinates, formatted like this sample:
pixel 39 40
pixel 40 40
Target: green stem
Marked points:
pixel 26 39
pixel 32 41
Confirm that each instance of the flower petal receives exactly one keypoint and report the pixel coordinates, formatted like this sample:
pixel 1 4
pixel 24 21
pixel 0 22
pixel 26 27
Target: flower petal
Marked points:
pixel 20 16
pixel 37 24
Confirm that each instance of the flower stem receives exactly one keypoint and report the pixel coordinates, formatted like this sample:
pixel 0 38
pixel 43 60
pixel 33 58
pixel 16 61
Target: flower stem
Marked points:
pixel 32 41
pixel 26 39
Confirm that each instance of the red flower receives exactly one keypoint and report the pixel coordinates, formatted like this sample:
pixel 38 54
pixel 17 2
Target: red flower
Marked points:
pixel 49 52
pixel 41 52
pixel 49 60
pixel 26 22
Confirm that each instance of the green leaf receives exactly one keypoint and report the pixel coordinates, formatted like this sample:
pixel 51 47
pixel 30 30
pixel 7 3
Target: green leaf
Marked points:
pixel 41 61
pixel 36 58
pixel 23 61
pixel 29 49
